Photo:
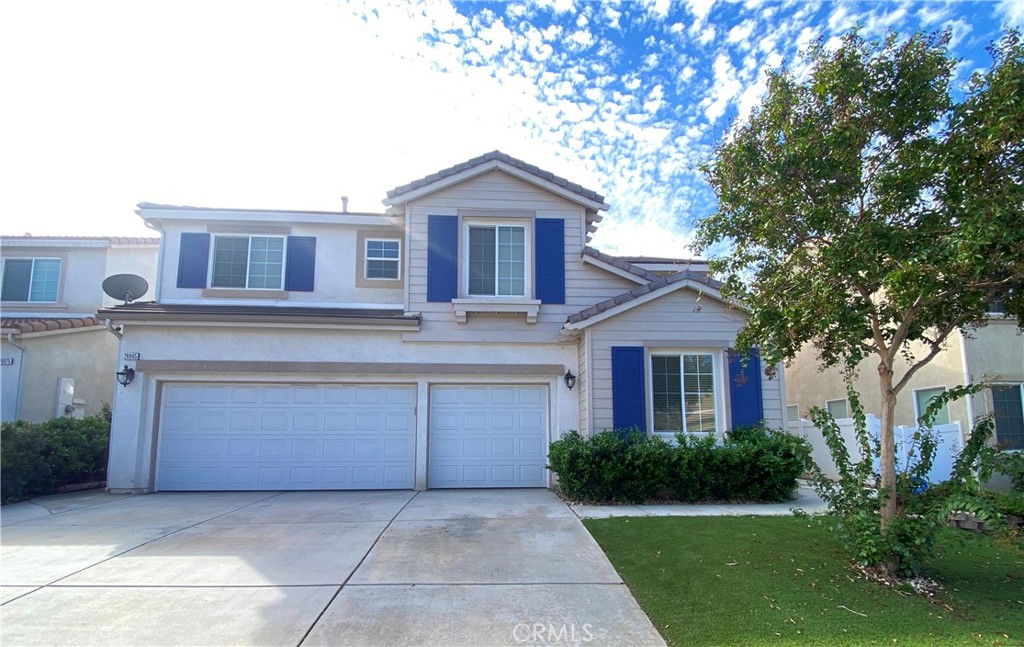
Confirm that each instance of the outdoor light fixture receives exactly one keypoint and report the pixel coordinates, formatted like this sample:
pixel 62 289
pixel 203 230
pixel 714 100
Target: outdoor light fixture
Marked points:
pixel 570 380
pixel 125 376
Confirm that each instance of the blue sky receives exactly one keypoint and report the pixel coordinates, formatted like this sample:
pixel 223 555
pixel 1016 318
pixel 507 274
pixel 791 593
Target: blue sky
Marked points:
pixel 294 104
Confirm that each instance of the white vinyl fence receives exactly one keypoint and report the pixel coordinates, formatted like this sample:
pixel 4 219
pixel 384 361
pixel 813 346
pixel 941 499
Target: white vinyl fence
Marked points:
pixel 950 442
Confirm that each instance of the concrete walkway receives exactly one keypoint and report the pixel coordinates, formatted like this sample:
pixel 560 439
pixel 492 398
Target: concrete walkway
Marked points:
pixel 806 500
pixel 455 567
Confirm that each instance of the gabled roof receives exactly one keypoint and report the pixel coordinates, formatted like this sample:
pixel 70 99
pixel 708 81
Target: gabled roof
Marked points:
pixel 613 263
pixel 642 294
pixel 25 325
pixel 487 162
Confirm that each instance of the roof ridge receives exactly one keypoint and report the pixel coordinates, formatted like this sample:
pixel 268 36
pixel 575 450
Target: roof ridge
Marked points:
pixel 620 263
pixel 497 155
pixel 658 283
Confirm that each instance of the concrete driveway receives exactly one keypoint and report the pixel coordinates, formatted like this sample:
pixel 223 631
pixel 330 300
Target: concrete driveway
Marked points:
pixel 443 567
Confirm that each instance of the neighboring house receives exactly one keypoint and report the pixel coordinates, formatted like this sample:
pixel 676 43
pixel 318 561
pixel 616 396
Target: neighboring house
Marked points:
pixel 58 358
pixel 443 343
pixel 993 354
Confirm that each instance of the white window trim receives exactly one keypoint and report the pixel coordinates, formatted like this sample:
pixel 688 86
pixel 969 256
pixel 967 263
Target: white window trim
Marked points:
pixel 844 400
pixel 527 228
pixel 248 260
pixel 60 276
pixel 367 259
pixel 718 365
pixel 918 412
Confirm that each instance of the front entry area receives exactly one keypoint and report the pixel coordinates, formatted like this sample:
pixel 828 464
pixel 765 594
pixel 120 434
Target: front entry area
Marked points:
pixel 488 436
pixel 286 437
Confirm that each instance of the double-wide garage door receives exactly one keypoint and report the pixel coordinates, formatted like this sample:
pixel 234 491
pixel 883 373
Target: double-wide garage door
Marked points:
pixel 286 437
pixel 348 437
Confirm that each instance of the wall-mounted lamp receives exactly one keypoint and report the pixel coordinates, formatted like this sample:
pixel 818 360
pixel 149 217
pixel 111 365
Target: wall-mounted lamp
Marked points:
pixel 570 380
pixel 125 376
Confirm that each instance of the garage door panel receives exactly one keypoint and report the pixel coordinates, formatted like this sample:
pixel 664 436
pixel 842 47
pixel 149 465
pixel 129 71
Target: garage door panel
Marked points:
pixel 291 438
pixel 485 436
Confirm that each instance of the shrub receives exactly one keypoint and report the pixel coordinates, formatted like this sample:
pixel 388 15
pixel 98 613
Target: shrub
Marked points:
pixel 753 465
pixel 38 458
pixel 610 466
pixel 24 470
pixel 78 449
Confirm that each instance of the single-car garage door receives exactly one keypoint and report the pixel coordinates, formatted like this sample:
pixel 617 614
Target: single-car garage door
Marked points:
pixel 488 436
pixel 286 437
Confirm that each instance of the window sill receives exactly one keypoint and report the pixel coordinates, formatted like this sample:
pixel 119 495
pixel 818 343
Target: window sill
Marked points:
pixel 228 293
pixel 528 307
pixel 34 305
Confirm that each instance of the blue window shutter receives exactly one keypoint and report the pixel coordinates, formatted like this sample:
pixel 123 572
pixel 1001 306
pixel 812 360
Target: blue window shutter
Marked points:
pixel 629 406
pixel 193 260
pixel 300 266
pixel 549 260
pixel 745 390
pixel 442 258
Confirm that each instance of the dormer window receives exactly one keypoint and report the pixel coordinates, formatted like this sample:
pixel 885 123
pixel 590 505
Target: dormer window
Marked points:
pixel 253 262
pixel 31 280
pixel 496 260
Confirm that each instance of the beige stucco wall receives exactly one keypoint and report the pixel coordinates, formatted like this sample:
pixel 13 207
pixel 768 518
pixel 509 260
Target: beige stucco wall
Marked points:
pixel 87 356
pixel 995 354
pixel 806 386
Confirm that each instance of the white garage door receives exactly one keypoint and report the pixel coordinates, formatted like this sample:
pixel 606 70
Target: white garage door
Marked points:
pixel 488 436
pixel 286 437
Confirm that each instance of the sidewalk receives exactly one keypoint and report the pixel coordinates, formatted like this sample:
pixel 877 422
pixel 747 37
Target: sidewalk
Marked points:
pixel 806 499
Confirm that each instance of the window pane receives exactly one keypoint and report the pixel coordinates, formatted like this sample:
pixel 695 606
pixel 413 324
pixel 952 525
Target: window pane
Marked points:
pixel 511 261
pixel 481 260
pixel 699 392
pixel 266 262
pixel 230 262
pixel 382 249
pixel 1009 416
pixel 45 279
pixel 17 274
pixel 837 408
pixel 667 395
pixel 381 269
pixel 792 412
pixel 924 398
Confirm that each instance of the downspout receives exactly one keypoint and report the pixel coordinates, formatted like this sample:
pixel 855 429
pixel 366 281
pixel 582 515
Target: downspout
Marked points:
pixel 21 373
pixel 159 257
pixel 965 360
pixel 113 331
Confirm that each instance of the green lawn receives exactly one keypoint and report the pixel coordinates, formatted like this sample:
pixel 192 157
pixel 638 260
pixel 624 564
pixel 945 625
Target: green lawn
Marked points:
pixel 784 581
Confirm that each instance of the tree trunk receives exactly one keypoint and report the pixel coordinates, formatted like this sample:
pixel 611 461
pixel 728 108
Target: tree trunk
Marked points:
pixel 888 454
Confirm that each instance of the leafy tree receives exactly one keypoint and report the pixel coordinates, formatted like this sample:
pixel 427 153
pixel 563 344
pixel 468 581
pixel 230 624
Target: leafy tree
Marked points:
pixel 871 208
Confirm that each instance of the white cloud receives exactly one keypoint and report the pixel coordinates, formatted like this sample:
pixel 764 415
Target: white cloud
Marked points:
pixel 740 33
pixel 658 8
pixel 1010 12
pixel 724 88
pixel 700 8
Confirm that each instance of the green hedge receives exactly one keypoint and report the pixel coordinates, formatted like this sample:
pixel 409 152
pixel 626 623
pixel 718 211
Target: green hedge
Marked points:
pixel 39 458
pixel 753 464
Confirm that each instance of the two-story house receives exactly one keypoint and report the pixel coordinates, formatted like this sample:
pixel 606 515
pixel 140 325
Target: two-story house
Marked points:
pixel 993 354
pixel 58 358
pixel 442 343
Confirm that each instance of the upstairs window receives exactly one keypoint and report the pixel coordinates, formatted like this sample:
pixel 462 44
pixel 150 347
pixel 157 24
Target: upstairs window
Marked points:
pixel 497 261
pixel 382 259
pixel 254 262
pixel 31 279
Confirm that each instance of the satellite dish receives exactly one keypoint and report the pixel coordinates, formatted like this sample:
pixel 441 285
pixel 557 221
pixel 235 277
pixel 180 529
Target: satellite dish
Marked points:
pixel 125 286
